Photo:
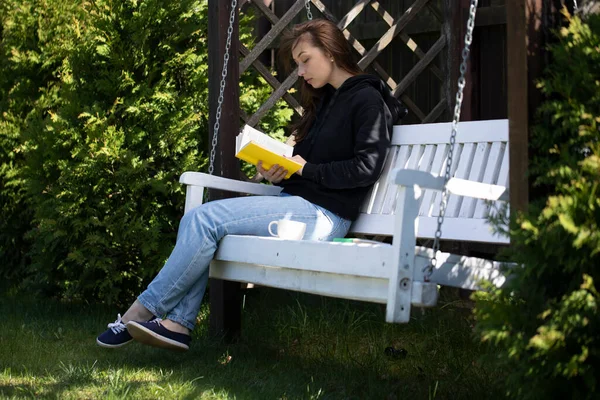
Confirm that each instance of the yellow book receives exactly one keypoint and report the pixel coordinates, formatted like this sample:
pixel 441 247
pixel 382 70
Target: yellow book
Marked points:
pixel 253 146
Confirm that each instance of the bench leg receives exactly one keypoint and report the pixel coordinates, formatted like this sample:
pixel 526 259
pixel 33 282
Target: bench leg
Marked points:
pixel 225 309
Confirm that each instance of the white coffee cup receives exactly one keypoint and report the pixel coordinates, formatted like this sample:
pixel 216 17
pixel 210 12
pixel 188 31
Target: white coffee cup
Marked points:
pixel 288 230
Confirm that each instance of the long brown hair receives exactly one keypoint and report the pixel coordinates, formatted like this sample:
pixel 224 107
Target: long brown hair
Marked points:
pixel 326 36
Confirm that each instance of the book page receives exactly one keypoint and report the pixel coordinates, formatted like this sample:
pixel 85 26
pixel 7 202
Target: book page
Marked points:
pixel 250 134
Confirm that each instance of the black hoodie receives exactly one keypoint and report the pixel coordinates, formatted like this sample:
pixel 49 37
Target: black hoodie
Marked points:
pixel 346 146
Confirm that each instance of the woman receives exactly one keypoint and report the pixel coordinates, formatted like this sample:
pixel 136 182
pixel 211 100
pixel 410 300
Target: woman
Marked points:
pixel 341 142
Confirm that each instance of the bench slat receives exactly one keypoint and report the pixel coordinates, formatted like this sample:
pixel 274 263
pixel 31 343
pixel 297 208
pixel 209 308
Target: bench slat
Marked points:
pixel 467 208
pixel 471 230
pixel 430 195
pixel 424 166
pixel 400 161
pixel 503 179
pixel 456 157
pixel 382 184
pixel 503 174
pixel 321 283
pixel 458 271
pixel 428 155
pixel 371 260
pixel 490 171
pixel 462 171
pixel 472 131
pixel 389 201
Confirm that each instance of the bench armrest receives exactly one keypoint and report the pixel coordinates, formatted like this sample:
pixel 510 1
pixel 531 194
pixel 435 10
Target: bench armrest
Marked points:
pixel 460 187
pixel 197 181
pixel 231 185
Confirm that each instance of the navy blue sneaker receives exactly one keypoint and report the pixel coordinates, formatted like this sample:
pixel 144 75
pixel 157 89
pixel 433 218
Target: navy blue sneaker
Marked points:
pixel 116 335
pixel 154 334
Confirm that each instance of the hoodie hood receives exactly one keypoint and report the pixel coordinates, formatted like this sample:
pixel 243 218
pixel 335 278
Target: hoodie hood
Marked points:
pixel 358 82
pixel 350 87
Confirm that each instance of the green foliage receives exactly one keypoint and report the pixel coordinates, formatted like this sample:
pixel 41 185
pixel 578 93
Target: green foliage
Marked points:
pixel 34 39
pixel 15 213
pixel 104 151
pixel 104 104
pixel 546 320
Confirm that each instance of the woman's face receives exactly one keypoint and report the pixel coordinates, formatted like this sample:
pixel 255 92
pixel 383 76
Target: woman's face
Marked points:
pixel 314 65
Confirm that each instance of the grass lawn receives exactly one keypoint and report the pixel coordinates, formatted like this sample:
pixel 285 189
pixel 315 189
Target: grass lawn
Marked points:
pixel 294 346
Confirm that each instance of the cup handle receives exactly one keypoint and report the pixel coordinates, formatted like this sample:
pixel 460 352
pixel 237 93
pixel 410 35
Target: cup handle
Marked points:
pixel 270 225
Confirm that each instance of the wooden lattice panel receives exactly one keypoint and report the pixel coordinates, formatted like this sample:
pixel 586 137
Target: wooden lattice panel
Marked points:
pixel 368 56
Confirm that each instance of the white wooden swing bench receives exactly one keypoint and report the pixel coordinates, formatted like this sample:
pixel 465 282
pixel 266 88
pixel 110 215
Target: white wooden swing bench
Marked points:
pixel 404 204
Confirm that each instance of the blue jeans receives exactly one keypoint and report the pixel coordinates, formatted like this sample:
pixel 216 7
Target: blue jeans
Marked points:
pixel 177 290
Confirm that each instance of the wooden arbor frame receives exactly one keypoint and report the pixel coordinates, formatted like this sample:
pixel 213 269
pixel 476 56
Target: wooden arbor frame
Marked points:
pixel 523 18
pixel 396 27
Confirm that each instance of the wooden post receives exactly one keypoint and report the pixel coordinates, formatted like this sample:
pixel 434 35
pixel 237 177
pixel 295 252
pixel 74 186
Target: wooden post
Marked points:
pixel 225 304
pixel 524 44
pixel 455 28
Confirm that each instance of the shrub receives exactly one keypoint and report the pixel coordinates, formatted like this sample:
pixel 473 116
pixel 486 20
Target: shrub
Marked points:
pixel 546 319
pixel 104 151
pixel 105 105
pixel 34 40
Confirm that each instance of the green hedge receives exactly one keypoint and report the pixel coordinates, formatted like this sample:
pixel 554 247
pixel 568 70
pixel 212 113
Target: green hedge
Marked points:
pixel 104 105
pixel 546 320
pixel 34 40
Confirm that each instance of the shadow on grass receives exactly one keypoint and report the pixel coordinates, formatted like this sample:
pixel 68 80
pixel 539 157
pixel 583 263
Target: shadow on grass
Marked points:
pixel 293 346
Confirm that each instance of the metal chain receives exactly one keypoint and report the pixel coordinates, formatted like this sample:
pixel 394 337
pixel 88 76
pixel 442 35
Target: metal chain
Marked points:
pixel 215 139
pixel 308 13
pixel 428 270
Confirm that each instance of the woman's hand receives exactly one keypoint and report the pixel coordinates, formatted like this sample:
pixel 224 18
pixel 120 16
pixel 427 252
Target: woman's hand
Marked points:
pixel 300 161
pixel 275 174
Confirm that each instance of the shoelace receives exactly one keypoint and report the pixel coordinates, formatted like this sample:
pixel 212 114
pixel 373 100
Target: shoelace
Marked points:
pixel 118 326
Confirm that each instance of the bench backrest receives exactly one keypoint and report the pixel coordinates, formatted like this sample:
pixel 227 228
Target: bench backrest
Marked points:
pixel 480 154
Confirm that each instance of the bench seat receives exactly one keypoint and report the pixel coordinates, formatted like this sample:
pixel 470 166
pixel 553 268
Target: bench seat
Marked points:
pixel 357 271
